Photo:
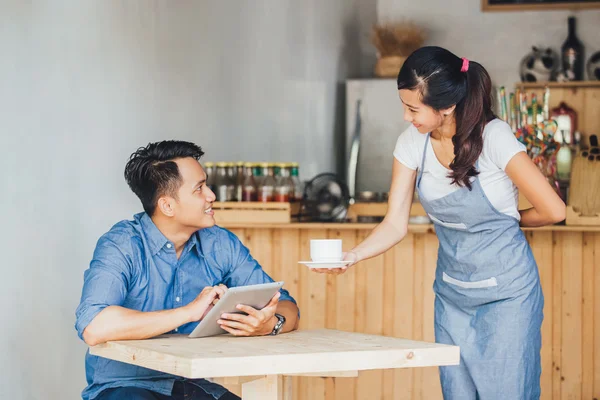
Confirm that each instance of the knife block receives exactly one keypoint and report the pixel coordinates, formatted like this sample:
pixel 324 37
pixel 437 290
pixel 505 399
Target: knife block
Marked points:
pixel 584 192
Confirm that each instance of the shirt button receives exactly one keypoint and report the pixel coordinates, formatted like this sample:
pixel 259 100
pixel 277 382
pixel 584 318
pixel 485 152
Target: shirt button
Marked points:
pixel 177 299
pixel 169 245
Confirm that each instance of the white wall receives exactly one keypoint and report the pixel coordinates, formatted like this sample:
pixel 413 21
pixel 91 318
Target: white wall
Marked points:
pixel 84 83
pixel 497 40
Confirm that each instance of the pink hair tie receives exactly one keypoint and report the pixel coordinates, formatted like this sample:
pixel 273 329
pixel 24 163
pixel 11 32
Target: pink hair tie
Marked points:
pixel 465 65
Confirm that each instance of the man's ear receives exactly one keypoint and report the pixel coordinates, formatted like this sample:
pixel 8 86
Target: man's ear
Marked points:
pixel 165 206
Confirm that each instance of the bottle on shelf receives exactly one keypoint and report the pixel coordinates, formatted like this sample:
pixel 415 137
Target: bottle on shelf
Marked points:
pixel 284 190
pixel 249 192
pixel 239 181
pixel 222 182
pixel 266 188
pixel 209 169
pixel 564 160
pixel 298 184
pixel 231 179
pixel 573 54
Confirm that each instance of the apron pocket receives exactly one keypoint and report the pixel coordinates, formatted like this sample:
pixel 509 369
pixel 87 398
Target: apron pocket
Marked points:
pixel 470 285
pixel 452 225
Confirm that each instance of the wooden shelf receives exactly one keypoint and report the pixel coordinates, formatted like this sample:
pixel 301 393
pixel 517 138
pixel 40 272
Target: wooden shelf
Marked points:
pixel 582 96
pixel 485 6
pixel 558 85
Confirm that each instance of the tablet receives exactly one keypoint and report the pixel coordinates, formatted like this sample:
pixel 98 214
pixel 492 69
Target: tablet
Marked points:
pixel 256 296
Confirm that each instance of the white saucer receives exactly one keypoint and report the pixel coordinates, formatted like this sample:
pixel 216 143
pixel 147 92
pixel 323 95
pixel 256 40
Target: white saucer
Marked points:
pixel 325 264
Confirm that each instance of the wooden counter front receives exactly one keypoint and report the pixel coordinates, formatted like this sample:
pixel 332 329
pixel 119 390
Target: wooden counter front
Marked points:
pixel 392 295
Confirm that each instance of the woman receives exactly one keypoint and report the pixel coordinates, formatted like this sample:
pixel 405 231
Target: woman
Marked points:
pixel 468 168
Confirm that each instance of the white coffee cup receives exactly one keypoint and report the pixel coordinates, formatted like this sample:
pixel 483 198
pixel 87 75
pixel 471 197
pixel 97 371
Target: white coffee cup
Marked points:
pixel 326 249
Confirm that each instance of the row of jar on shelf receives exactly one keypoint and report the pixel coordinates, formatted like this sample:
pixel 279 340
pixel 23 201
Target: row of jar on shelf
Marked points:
pixel 248 181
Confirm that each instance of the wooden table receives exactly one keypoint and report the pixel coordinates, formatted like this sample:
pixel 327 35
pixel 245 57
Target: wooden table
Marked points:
pixel 263 364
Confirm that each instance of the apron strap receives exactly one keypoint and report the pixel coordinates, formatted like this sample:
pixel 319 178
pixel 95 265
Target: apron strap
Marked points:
pixel 423 161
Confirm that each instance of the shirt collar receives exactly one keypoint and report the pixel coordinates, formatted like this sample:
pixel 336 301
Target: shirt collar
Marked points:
pixel 155 237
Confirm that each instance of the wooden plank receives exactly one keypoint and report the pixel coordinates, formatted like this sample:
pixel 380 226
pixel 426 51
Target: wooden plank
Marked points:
pixel 360 298
pixel 240 233
pixel 412 228
pixel 295 352
pixel 288 388
pixel 250 217
pixel 588 320
pixel 267 388
pixel 329 374
pixel 588 118
pixel 559 85
pixel 330 315
pixel 389 296
pixel 404 270
pixel 541 246
pixel 380 209
pixel 251 205
pixel 572 316
pixel 556 300
pixel 430 379
pixel 596 268
pixel 286 253
pixel 370 383
pixel 313 287
pixel 331 288
pixel 538 7
pixel 418 310
pixel 260 242
pixel 345 389
pixel 276 256
pixel 301 385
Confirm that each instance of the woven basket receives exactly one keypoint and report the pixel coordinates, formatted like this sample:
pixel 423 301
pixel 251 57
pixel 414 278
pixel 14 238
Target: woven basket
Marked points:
pixel 388 67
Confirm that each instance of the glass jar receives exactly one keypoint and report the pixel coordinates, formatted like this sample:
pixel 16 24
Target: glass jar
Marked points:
pixel 249 188
pixel 266 189
pixel 284 190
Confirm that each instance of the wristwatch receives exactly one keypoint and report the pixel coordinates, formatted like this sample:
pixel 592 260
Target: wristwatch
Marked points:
pixel 278 325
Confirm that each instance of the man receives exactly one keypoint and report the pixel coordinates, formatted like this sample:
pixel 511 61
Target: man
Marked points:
pixel 162 272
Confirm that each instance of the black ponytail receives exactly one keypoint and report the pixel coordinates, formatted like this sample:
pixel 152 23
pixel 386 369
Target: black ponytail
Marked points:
pixel 444 80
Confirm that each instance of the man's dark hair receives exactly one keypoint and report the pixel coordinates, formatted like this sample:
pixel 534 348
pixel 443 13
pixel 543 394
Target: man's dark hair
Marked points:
pixel 151 171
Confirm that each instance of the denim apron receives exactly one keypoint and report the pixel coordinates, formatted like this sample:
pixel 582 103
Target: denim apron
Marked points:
pixel 488 298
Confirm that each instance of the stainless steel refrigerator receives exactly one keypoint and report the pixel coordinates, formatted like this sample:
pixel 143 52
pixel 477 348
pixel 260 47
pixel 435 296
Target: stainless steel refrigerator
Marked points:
pixel 374 120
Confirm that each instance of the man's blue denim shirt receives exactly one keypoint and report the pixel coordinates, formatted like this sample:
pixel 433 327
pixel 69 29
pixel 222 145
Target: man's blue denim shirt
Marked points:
pixel 135 266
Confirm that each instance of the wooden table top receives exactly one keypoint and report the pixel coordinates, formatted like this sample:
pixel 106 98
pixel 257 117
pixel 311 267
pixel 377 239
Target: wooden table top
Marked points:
pixel 299 352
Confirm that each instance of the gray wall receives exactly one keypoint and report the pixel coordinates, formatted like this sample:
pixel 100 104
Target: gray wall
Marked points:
pixel 84 83
pixel 497 40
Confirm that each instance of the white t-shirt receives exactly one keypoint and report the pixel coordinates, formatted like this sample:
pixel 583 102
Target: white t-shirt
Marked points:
pixel 499 146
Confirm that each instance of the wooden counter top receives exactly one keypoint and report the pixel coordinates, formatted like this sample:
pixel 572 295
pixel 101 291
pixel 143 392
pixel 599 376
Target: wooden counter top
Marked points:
pixel 413 228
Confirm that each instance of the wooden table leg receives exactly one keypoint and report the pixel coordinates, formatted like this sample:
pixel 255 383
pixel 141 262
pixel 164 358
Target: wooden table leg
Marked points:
pixel 270 387
pixel 287 388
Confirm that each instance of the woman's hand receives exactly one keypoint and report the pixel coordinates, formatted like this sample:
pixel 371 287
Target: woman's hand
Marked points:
pixel 349 256
pixel 548 207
